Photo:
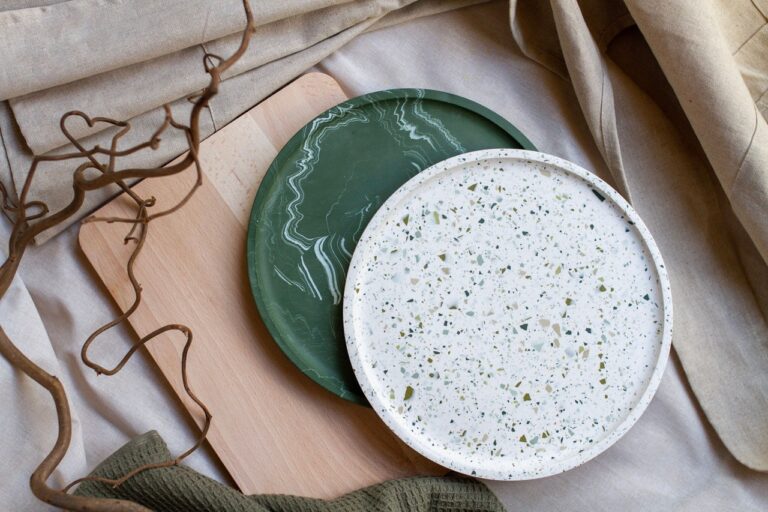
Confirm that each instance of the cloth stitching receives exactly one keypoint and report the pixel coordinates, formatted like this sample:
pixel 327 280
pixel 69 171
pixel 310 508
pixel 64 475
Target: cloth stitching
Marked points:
pixel 746 151
pixel 762 96
pixel 750 38
pixel 760 8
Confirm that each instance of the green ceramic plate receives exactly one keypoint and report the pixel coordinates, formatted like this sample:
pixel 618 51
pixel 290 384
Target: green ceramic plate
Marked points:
pixel 319 194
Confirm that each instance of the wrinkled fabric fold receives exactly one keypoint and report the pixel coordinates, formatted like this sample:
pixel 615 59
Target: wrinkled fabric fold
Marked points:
pixel 717 102
pixel 237 94
pixel 27 403
pixel 132 90
pixel 734 136
pixel 592 85
pixel 721 332
pixel 86 37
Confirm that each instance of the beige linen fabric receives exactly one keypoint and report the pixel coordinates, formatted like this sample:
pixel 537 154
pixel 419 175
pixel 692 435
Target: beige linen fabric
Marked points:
pixel 237 94
pixel 82 38
pixel 132 90
pixel 670 461
pixel 715 97
pixel 673 112
pixel 734 136
pixel 720 328
pixel 745 28
pixel 26 403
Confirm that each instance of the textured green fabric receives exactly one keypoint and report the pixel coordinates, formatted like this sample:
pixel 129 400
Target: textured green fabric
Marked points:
pixel 178 488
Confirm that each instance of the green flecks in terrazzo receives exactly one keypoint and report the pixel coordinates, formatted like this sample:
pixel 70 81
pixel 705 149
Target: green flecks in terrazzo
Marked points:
pixel 512 326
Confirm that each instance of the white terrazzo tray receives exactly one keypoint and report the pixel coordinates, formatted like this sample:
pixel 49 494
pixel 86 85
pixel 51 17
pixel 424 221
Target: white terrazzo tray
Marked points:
pixel 507 314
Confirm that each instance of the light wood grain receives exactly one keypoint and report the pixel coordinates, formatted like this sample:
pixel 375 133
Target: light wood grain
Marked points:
pixel 274 430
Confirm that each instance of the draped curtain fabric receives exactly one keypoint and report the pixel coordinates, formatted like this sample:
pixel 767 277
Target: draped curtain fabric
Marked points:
pixel 675 95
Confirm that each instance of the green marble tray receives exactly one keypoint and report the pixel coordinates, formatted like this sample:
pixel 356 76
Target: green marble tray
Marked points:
pixel 319 194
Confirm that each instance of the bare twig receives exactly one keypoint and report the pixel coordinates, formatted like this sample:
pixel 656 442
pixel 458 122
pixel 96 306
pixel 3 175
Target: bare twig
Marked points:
pixel 32 217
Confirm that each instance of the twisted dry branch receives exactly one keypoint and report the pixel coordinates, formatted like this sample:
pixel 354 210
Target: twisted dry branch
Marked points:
pixel 32 217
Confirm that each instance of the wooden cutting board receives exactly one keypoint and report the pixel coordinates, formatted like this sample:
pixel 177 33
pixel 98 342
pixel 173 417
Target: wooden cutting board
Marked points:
pixel 273 429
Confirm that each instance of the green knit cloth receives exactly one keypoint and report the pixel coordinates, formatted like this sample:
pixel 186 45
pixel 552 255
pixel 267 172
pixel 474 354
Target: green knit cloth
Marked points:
pixel 177 488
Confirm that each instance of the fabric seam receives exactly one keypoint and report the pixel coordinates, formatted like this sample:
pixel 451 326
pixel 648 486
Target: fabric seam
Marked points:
pixel 760 8
pixel 746 152
pixel 749 38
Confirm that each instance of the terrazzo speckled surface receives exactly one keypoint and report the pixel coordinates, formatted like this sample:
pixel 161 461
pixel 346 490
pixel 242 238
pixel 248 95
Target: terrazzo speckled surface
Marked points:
pixel 318 196
pixel 507 314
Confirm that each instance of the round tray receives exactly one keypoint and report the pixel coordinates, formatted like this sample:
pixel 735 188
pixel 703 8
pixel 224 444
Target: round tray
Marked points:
pixel 507 314
pixel 318 195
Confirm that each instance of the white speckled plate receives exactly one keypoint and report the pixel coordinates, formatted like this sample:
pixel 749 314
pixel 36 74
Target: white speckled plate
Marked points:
pixel 507 314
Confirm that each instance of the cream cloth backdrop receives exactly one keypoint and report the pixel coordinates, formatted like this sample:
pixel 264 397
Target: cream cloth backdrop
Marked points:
pixel 672 459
